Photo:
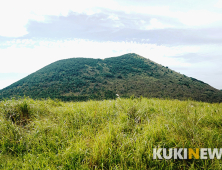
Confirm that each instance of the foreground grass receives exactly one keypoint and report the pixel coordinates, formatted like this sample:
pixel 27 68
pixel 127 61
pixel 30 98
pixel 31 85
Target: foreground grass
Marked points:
pixel 116 134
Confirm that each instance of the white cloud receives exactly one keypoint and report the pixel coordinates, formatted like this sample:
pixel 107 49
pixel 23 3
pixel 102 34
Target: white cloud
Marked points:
pixel 114 17
pixel 12 20
pixel 199 17
pixel 218 4
pixel 14 15
pixel 155 24
pixel 189 18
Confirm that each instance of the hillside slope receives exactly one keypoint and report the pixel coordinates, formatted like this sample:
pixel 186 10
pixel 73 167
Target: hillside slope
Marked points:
pixel 126 75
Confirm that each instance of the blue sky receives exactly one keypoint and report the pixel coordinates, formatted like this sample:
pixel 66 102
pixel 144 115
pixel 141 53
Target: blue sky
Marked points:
pixel 183 35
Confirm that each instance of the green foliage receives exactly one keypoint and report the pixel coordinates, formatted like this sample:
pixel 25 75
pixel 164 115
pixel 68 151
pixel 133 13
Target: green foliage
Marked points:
pixel 110 95
pixel 82 79
pixel 132 97
pixel 19 113
pixel 108 75
pixel 119 76
pixel 109 134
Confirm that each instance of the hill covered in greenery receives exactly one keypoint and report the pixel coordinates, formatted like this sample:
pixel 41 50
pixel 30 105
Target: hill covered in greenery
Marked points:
pixel 126 75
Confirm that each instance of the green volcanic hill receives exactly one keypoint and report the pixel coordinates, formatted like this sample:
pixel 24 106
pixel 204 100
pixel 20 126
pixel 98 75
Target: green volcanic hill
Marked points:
pixel 126 75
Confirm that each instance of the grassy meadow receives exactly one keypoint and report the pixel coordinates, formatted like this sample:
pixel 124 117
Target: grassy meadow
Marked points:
pixel 109 134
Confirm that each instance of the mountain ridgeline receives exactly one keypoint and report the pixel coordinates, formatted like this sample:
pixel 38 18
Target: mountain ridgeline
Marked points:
pixel 81 79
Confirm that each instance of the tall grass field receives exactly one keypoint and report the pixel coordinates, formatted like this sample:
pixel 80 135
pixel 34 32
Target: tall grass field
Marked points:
pixel 110 134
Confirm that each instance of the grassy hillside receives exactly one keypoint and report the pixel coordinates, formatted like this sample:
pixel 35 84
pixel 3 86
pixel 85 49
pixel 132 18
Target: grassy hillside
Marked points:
pixel 109 134
pixel 80 79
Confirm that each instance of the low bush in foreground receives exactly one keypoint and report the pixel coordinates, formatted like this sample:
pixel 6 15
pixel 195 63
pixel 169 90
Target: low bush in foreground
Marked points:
pixel 110 134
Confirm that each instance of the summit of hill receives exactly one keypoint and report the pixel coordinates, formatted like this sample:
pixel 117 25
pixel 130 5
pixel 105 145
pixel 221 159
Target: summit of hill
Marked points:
pixel 80 79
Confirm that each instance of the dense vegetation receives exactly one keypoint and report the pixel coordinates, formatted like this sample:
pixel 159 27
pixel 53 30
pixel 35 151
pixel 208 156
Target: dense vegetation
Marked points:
pixel 81 79
pixel 109 134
